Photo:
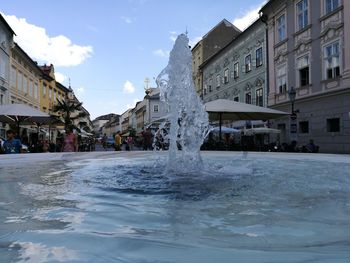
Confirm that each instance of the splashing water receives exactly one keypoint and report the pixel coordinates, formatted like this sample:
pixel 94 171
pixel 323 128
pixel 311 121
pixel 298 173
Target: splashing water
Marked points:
pixel 187 116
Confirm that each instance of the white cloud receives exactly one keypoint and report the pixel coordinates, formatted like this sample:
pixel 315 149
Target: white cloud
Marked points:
pixel 60 77
pixel 161 53
pixel 242 22
pixel 58 50
pixel 81 90
pixel 128 87
pixel 127 20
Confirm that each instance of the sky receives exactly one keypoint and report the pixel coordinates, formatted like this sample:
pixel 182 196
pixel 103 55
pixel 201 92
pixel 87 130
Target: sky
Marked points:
pixel 107 48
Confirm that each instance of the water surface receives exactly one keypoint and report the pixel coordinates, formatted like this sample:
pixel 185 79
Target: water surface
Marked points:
pixel 116 207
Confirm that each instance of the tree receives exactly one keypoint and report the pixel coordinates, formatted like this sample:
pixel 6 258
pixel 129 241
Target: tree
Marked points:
pixel 68 111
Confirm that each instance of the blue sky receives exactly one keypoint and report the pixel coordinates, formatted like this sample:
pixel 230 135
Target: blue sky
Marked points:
pixel 108 47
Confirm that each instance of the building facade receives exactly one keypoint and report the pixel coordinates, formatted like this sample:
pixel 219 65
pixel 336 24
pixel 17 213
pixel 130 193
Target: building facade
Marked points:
pixel 6 42
pixel 238 71
pixel 140 112
pixel 309 50
pixel 50 91
pixel 212 42
pixel 25 78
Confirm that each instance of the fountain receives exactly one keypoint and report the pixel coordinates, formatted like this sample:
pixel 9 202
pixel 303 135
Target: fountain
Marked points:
pixel 187 116
pixel 218 207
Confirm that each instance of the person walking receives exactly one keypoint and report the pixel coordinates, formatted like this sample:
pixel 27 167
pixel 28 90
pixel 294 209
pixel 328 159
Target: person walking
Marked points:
pixel 104 141
pixel 117 141
pixel 70 142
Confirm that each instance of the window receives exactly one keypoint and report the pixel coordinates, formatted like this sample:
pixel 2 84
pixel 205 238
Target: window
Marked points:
pixel 303 127
pixel 3 68
pixel 236 99
pixel 259 57
pixel 248 62
pixel 54 95
pixel 218 80
pixel 331 5
pixel 282 79
pixel 333 125
pixel 248 98
pixel 205 90
pixel 20 81
pixel 281 28
pixel 50 93
pixel 259 97
pixel 303 69
pixel 36 90
pixel 44 90
pixel 210 86
pixel 302 14
pixel 331 56
pixel 236 70
pixel 31 88
pixel 13 77
pixel 226 79
pixel 155 108
pixel 1 99
pixel 25 84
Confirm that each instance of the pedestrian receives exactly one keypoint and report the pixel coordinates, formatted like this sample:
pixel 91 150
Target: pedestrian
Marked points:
pixel 147 139
pixel 12 145
pixel 130 142
pixel 104 141
pixel 70 142
pixel 311 147
pixel 117 141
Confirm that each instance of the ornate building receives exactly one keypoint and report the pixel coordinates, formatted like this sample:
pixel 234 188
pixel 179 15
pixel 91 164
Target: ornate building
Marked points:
pixel 309 50
pixel 238 71
pixel 49 92
pixel 6 42
pixel 25 78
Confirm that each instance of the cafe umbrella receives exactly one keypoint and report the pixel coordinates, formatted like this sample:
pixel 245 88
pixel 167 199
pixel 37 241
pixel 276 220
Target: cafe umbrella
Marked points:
pixel 21 114
pixel 223 109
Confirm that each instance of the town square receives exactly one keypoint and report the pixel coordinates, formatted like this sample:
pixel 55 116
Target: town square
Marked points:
pixel 144 131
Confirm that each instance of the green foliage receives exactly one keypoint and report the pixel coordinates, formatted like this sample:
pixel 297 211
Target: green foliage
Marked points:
pixel 66 109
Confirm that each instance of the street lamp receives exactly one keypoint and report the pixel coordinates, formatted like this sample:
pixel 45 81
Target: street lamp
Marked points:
pixel 293 124
pixel 148 91
pixel 292 94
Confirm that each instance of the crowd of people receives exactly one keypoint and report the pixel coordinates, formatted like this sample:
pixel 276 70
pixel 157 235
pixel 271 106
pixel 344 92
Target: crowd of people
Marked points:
pixel 67 142
pixel 146 140
pixel 71 142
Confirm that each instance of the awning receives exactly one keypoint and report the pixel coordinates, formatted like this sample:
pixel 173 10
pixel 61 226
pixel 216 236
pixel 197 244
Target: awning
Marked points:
pixel 261 130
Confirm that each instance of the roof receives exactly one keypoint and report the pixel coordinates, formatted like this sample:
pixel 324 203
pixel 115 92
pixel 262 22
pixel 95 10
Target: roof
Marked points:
pixel 46 70
pixel 61 86
pixel 227 24
pixel 19 49
pixel 230 43
pixel 3 20
pixel 266 5
pixel 107 116
pixel 196 45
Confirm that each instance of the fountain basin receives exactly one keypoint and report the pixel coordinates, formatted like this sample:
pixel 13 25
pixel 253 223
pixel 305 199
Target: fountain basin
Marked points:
pixel 122 207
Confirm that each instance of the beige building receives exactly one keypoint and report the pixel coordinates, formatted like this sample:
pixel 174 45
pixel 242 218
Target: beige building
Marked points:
pixel 50 90
pixel 212 42
pixel 140 115
pixel 25 78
